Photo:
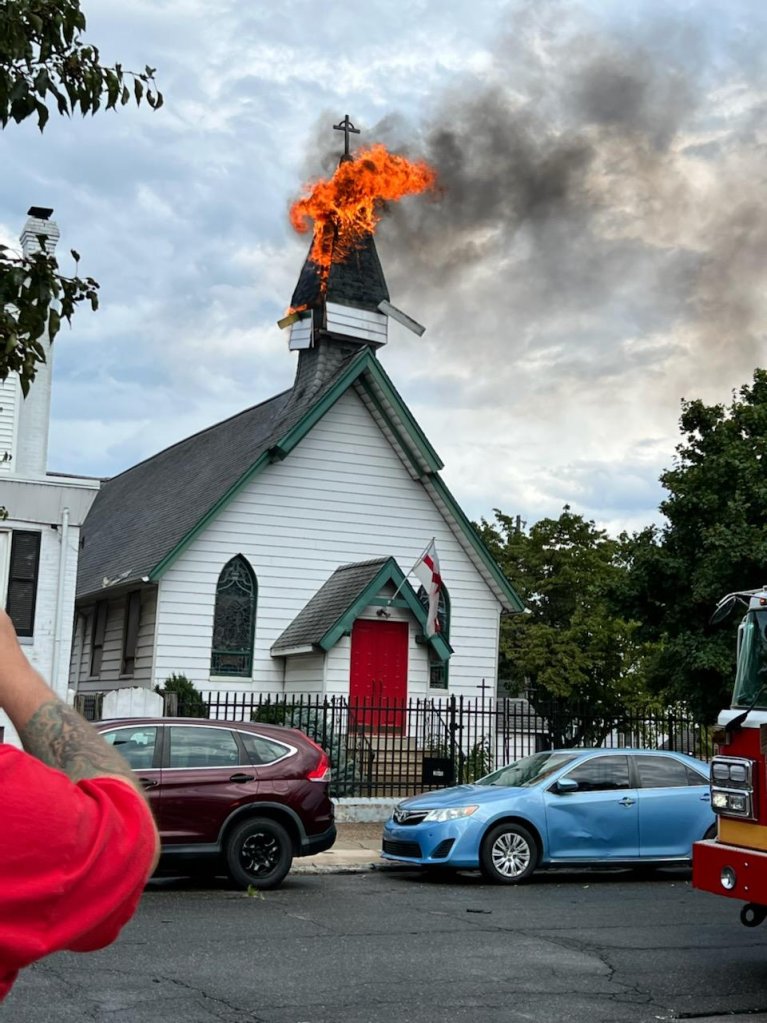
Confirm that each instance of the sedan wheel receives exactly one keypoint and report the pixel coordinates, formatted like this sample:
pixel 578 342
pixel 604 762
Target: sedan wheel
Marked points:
pixel 259 853
pixel 509 854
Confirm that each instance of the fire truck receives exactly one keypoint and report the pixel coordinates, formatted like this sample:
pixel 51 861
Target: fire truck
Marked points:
pixel 735 862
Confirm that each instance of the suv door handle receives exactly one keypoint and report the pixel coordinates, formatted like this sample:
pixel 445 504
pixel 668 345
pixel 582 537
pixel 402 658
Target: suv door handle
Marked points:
pixel 243 777
pixel 148 783
pixel 627 801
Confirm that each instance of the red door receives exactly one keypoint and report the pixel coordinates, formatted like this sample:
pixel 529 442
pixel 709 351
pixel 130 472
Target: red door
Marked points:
pixel 378 673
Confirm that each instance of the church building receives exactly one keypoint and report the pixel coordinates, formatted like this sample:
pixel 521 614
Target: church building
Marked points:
pixel 271 553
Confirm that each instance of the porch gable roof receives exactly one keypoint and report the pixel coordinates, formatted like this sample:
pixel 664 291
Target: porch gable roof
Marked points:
pixel 332 611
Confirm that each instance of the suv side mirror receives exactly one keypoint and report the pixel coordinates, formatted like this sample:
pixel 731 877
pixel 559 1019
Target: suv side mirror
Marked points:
pixel 566 785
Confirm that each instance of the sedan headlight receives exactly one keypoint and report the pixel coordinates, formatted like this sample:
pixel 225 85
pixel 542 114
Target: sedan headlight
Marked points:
pixel 451 813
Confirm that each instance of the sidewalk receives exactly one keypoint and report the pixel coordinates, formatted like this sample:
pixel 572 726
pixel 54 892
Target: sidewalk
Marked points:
pixel 356 850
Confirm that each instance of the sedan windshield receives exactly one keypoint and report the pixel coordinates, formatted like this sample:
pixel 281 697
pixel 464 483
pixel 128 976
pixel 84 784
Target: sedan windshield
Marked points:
pixel 528 770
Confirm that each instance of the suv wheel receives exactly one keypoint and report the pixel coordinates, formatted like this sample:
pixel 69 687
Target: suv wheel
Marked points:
pixel 259 852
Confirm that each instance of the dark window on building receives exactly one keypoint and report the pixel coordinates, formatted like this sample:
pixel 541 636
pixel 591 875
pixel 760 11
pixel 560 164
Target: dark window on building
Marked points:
pixel 22 581
pixel 437 668
pixel 99 628
pixel 130 632
pixel 601 774
pixel 234 620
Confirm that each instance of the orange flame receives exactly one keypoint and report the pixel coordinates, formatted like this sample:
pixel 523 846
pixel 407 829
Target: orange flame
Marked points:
pixel 345 208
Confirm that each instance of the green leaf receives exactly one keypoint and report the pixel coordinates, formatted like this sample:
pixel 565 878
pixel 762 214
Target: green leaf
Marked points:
pixel 54 323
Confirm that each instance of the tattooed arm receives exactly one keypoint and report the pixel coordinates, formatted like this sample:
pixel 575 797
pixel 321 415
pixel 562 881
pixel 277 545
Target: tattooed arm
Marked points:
pixel 48 728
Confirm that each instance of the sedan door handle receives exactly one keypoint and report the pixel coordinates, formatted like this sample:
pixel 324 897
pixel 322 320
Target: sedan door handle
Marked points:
pixel 706 798
pixel 242 777
pixel 148 783
pixel 626 801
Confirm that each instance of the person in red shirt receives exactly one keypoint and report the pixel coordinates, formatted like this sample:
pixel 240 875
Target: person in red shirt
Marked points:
pixel 77 839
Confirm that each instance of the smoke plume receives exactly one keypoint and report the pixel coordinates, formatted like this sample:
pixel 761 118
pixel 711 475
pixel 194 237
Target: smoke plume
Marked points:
pixel 598 205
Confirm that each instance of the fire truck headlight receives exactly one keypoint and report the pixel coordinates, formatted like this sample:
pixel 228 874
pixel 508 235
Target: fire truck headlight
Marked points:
pixel 720 772
pixel 738 804
pixel 738 772
pixel 719 800
pixel 728 878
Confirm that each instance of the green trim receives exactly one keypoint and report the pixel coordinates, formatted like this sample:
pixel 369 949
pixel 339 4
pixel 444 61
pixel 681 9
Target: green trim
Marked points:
pixel 261 463
pixel 389 572
pixel 366 362
pixel 417 466
pixel 317 411
pixel 484 554
pixel 413 430
pixel 385 602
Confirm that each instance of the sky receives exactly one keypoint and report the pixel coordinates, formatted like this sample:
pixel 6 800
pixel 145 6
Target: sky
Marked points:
pixel 593 255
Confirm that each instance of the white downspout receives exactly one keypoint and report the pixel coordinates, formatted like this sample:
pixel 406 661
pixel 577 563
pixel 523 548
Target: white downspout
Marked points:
pixel 59 620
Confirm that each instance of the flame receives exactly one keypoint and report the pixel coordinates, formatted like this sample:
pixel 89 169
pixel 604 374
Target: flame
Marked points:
pixel 346 207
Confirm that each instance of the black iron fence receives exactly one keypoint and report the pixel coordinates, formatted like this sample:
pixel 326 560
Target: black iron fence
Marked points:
pixel 394 748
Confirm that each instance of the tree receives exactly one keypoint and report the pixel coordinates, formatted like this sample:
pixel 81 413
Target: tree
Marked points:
pixel 714 542
pixel 44 63
pixel 575 652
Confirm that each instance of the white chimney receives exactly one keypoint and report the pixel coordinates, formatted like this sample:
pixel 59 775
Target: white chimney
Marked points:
pixel 34 411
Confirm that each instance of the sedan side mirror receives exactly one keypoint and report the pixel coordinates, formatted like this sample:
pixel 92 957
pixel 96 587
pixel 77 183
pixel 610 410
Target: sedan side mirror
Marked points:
pixel 566 785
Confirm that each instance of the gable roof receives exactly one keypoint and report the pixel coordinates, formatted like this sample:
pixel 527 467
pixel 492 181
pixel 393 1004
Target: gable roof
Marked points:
pixel 333 609
pixel 143 519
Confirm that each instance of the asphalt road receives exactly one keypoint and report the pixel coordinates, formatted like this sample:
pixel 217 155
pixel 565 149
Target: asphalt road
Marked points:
pixel 395 947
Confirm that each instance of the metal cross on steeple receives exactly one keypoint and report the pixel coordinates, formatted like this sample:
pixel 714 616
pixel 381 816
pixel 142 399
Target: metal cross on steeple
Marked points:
pixel 347 128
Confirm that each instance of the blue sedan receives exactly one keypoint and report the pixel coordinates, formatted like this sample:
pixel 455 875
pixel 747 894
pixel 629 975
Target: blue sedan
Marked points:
pixel 559 808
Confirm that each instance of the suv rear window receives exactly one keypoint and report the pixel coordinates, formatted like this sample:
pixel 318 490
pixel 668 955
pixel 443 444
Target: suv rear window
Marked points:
pixel 261 750
pixel 200 746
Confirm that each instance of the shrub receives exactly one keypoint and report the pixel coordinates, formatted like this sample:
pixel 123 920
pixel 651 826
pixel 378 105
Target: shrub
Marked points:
pixel 190 702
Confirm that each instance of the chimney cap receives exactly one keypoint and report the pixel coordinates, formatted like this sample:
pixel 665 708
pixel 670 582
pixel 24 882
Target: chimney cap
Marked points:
pixel 41 212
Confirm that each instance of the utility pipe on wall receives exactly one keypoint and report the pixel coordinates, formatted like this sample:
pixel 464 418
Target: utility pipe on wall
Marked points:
pixel 58 627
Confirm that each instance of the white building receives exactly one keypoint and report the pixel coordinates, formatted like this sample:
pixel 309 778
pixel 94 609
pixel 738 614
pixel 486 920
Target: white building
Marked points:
pixel 269 553
pixel 39 540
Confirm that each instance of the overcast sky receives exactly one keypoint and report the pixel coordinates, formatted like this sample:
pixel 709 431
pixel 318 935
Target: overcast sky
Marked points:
pixel 596 251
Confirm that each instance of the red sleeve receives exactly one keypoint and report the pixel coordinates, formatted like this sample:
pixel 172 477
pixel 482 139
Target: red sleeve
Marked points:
pixel 74 859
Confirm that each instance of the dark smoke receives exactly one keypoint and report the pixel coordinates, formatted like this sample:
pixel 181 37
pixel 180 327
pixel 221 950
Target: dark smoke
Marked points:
pixel 568 204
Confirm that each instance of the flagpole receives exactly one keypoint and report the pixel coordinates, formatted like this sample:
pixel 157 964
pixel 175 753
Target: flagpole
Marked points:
pixel 420 556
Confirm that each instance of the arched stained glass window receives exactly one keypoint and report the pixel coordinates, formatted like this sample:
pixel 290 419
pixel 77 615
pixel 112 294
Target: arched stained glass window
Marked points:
pixel 234 620
pixel 438 668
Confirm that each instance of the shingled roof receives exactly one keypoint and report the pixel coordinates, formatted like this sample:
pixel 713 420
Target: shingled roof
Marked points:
pixel 328 605
pixel 142 514
pixel 332 611
pixel 356 280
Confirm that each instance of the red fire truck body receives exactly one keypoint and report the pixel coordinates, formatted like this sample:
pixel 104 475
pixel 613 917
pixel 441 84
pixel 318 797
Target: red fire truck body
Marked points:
pixel 734 864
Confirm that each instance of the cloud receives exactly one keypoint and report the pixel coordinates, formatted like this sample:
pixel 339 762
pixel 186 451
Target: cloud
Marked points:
pixel 595 252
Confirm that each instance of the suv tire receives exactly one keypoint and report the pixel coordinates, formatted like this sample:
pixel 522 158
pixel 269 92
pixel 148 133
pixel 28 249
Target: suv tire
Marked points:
pixel 259 852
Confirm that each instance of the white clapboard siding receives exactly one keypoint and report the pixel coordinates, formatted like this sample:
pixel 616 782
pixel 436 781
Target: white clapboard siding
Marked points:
pixel 341 496
pixel 305 674
pixel 360 323
pixel 109 676
pixel 9 397
pixel 301 334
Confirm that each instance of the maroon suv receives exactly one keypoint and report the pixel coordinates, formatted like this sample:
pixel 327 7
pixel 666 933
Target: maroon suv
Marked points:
pixel 245 797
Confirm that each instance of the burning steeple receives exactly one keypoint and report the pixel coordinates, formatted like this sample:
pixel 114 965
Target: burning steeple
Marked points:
pixel 341 293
